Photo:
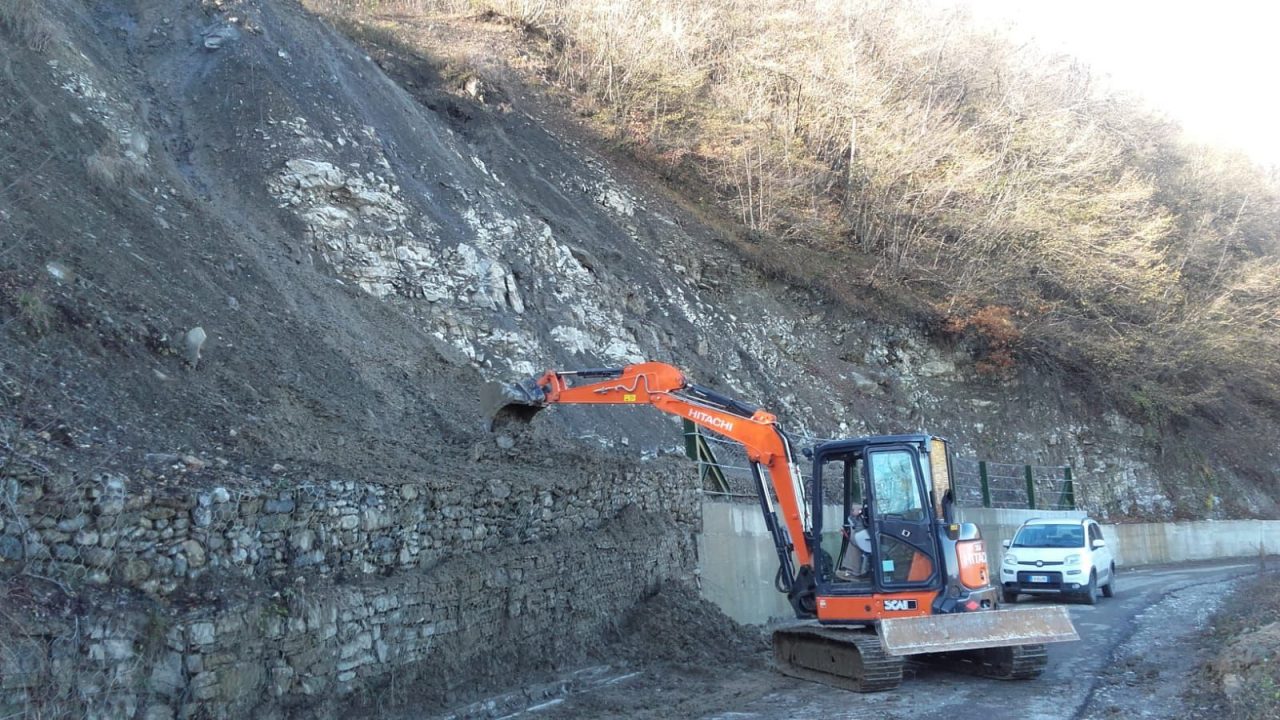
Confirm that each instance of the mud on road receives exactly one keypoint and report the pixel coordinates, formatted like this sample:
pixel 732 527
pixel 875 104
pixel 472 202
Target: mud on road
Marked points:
pixel 1139 656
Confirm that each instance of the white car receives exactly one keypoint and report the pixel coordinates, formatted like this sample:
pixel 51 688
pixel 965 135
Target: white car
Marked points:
pixel 1058 556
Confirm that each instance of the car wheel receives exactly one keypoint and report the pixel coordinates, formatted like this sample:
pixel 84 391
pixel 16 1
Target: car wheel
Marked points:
pixel 1090 596
pixel 1009 596
pixel 1109 590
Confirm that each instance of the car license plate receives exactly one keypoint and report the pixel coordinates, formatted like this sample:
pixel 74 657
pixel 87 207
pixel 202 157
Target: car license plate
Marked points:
pixel 1038 578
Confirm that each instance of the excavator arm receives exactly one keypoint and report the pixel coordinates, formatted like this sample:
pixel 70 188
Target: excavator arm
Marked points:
pixel 666 388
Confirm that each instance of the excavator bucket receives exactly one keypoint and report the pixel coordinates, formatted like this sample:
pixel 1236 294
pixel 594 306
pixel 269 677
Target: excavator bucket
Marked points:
pixel 975 630
pixel 511 403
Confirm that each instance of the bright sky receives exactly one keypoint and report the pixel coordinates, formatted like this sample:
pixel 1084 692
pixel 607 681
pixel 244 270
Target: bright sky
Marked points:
pixel 1212 66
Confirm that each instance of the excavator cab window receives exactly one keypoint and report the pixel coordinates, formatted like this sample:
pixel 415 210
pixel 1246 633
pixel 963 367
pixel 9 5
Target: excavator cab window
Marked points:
pixel 905 547
pixel 852 567
pixel 896 489
pixel 853 483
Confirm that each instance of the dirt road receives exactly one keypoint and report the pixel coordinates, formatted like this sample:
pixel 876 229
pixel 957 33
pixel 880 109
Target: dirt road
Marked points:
pixel 1136 657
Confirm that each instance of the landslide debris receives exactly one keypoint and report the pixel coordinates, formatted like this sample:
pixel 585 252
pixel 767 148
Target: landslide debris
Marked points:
pixel 677 624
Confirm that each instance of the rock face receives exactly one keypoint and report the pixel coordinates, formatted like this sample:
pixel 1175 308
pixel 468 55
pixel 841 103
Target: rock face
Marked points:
pixel 367 234
pixel 354 220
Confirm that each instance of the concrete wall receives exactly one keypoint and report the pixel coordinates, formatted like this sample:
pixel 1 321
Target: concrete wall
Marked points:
pixel 737 561
pixel 1137 544
pixel 1153 543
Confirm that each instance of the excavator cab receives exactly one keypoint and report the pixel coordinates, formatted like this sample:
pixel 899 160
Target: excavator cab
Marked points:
pixel 896 533
pixel 887 534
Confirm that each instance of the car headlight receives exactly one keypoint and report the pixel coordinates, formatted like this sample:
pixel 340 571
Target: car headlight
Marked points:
pixel 1010 560
pixel 1072 560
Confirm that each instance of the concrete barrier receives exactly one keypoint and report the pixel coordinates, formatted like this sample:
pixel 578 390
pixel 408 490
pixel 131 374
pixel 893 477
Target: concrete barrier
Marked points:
pixel 1155 543
pixel 1137 544
pixel 737 562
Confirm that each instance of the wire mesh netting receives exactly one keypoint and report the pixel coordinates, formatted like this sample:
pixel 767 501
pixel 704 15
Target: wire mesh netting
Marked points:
pixel 978 483
pixel 723 467
pixel 966 482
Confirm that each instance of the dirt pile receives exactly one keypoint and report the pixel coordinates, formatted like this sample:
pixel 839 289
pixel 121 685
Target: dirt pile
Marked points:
pixel 673 655
pixel 1241 678
pixel 677 624
pixel 1248 669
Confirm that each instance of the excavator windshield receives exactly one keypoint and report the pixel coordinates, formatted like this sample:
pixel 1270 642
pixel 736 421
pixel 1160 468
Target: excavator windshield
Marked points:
pixel 897 493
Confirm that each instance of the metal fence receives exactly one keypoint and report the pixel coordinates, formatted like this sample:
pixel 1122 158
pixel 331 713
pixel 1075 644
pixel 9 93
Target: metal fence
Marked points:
pixel 980 483
pixel 723 469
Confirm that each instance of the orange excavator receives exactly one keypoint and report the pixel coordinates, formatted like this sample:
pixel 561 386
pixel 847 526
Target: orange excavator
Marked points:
pixel 899 577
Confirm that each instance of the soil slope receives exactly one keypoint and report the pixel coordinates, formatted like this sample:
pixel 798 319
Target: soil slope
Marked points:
pixel 361 251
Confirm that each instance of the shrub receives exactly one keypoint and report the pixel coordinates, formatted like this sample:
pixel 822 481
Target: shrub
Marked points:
pixel 35 311
pixel 997 334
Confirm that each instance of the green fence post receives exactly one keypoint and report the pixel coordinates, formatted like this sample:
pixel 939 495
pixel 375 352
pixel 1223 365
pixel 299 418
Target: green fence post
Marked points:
pixel 1031 489
pixel 982 478
pixel 696 447
pixel 1068 488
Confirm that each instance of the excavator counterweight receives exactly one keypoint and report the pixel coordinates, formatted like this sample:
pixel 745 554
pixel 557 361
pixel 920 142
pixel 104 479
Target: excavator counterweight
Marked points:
pixel 908 580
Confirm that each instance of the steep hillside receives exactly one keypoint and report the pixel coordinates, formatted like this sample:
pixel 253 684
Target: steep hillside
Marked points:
pixel 361 254
pixel 844 351
pixel 252 275
pixel 1013 193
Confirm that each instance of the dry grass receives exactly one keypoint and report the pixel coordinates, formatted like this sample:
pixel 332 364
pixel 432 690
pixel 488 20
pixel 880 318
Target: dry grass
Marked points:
pixel 26 20
pixel 115 165
pixel 35 311
pixel 107 171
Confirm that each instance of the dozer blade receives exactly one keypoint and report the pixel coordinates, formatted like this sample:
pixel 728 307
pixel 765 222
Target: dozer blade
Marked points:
pixel 974 630
pixel 511 403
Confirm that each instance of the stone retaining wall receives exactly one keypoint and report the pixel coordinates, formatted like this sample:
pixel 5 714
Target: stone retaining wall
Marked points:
pixel 156 539
pixel 146 602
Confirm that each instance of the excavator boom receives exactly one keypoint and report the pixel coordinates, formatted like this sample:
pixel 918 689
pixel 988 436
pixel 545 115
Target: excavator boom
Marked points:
pixel 666 388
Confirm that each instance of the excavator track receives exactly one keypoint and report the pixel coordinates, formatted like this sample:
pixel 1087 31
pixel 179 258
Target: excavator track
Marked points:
pixel 1014 662
pixel 845 658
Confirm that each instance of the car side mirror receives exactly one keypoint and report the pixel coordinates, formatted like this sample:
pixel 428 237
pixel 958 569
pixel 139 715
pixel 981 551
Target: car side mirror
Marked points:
pixel 1098 544
pixel 1004 544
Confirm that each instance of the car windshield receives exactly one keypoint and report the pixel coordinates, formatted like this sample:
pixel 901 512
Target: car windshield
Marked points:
pixel 1050 536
